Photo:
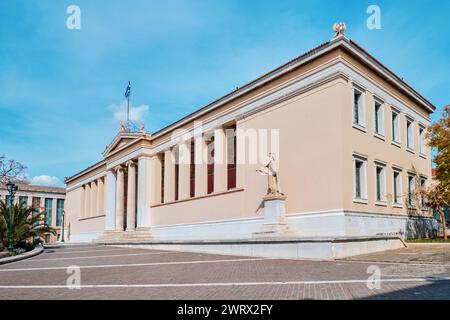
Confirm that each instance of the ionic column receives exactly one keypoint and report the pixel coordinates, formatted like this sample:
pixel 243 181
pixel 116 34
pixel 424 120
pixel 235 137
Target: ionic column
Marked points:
pixel 82 201
pixel 169 176
pixel 131 196
pixel 220 160
pixel 110 200
pixel 184 166
pixel 94 198
pixel 119 198
pixel 147 183
pixel 155 176
pixel 100 196
pixel 87 201
pixel 201 168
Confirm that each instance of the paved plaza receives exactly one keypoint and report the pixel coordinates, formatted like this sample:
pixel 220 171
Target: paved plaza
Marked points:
pixel 107 272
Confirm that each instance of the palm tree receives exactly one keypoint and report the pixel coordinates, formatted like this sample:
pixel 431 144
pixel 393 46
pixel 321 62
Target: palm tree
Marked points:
pixel 27 223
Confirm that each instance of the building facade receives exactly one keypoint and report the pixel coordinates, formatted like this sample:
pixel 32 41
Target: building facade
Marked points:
pixel 347 133
pixel 48 200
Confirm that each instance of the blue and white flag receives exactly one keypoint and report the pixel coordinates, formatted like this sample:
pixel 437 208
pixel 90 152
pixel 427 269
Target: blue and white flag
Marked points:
pixel 128 91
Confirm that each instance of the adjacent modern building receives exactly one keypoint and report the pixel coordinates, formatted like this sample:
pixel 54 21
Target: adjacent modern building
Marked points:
pixel 48 200
pixel 348 135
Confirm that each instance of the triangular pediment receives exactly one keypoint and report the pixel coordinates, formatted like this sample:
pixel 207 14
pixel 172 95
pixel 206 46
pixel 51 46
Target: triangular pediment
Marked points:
pixel 121 140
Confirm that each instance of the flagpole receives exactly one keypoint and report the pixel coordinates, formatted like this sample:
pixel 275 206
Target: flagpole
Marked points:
pixel 128 106
pixel 128 109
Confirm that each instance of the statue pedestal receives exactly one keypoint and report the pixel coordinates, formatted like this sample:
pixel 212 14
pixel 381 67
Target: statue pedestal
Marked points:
pixel 274 217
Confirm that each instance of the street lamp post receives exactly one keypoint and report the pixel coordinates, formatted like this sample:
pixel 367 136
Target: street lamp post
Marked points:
pixel 62 233
pixel 12 188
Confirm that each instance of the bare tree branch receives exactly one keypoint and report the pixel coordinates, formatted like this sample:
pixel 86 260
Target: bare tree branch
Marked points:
pixel 10 170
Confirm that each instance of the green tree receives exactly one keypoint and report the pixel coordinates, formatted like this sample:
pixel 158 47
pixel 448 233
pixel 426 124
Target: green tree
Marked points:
pixel 27 223
pixel 438 136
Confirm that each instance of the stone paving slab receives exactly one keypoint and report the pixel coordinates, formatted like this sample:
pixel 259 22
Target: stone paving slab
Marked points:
pixel 181 275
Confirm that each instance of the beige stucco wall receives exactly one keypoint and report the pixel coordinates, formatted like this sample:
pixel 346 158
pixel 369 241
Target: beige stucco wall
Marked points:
pixel 73 209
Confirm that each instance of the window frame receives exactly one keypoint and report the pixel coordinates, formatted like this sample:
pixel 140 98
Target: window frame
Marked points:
pixel 361 123
pixel 362 180
pixel 399 202
pixel 409 126
pixel 422 142
pixel 378 119
pixel 411 200
pixel 48 213
pixel 423 205
pixel 382 199
pixel 396 137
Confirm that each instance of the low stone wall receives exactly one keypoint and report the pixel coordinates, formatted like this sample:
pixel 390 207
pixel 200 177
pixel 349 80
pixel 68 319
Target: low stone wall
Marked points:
pixel 38 250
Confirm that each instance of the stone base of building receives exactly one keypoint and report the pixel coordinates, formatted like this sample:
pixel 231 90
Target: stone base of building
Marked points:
pixel 125 236
pixel 332 223
pixel 288 248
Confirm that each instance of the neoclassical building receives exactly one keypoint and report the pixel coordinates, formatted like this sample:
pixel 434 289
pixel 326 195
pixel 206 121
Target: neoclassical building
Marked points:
pixel 48 200
pixel 348 135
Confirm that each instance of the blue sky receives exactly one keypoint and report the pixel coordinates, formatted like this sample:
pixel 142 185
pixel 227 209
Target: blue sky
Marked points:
pixel 61 89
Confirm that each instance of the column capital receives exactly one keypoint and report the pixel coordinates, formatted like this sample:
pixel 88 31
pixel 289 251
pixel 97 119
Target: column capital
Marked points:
pixel 147 156
pixel 130 163
pixel 119 168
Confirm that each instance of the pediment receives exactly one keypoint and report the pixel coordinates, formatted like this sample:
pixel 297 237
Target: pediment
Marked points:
pixel 120 141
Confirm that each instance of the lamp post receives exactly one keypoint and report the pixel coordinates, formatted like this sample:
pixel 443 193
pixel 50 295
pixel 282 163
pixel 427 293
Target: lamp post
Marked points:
pixel 12 188
pixel 62 233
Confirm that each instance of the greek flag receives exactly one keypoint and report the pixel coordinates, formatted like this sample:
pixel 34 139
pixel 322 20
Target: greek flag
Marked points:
pixel 128 91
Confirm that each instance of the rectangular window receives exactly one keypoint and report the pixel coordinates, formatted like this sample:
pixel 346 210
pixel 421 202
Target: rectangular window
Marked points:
pixel 360 179
pixel 23 200
pixel 210 150
pixel 231 157
pixel 411 190
pixel 395 126
pixel 192 171
pixel 380 181
pixel 358 108
pixel 423 185
pixel 397 180
pixel 422 144
pixel 36 203
pixel 48 210
pixel 379 118
pixel 59 212
pixel 409 135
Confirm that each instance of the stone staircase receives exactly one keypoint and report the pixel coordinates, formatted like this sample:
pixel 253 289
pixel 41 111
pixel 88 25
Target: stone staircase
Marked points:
pixel 125 236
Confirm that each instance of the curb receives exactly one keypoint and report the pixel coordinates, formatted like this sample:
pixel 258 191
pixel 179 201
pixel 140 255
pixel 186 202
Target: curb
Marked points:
pixel 38 250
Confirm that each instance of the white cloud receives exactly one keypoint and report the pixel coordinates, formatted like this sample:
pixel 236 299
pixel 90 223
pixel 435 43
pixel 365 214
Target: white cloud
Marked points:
pixel 47 181
pixel 137 114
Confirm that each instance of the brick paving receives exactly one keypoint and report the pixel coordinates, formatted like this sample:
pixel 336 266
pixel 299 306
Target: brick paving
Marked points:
pixel 125 273
pixel 415 253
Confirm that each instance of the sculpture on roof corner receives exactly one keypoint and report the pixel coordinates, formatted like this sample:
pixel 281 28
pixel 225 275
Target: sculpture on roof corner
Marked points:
pixel 122 127
pixel 271 171
pixel 339 29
